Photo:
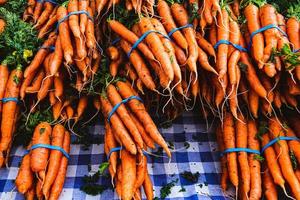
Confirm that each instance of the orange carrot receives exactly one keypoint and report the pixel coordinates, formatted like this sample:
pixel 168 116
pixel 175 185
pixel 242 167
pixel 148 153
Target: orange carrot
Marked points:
pixel 269 186
pixel 254 164
pixel 47 9
pixel 84 5
pixel 224 175
pixel 36 84
pixel 293 144
pixel 58 86
pixel 111 143
pixel 47 27
pixel 24 179
pixel 140 171
pixel 57 58
pixel 9 108
pixel 229 142
pixel 37 11
pixel 4 75
pixel 60 178
pixel 64 34
pixel 205 45
pixel 39 157
pixel 252 15
pixel 129 175
pixel 203 60
pixel 74 19
pixel 148 186
pixel 57 139
pixel 118 126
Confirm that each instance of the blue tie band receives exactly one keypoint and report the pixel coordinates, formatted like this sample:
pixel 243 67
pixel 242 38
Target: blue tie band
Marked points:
pixel 238 47
pixel 36 146
pixel 179 28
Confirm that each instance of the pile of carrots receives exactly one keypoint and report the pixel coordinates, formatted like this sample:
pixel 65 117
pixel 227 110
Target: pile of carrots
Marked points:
pixel 256 176
pixel 235 60
pixel 42 172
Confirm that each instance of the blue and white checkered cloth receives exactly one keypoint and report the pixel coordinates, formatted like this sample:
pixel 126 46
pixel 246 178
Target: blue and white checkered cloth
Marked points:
pixel 202 156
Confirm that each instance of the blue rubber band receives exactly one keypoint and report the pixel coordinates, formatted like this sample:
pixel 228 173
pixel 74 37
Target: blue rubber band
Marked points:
pixel 50 1
pixel 36 146
pixel 296 50
pixel 179 28
pixel 115 41
pixel 5 100
pixel 232 150
pixel 276 140
pixel 51 48
pixel 270 26
pixel 115 108
pixel 134 46
pixel 112 150
pixel 238 47
pixel 73 13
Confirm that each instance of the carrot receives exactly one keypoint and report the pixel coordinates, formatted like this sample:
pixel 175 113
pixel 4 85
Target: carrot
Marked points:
pixel 114 66
pixel 129 36
pixel 251 75
pixel 207 15
pixel 241 142
pixel 292 29
pixel 24 179
pixel 181 17
pixel 57 58
pixel 169 49
pixel 81 52
pixel 253 23
pixel 146 138
pixel 38 189
pixel 40 56
pixel 74 19
pixel 36 84
pixel 30 194
pixel 56 110
pixel 47 82
pixel 82 104
pixel 37 11
pixel 277 100
pixel 111 143
pixel 156 47
pixel 113 53
pixel 205 45
pixel 213 34
pixel 100 4
pixel 254 164
pixel 139 110
pixel 269 186
pixel 47 9
pixel 229 142
pixel 128 162
pixel 272 163
pixel 70 112
pixel 81 65
pixel 297 173
pixel 223 34
pixel 270 69
pixel 39 157
pixel 282 151
pixel 180 55
pixel 60 178
pixel 164 12
pixel 57 139
pixel 123 114
pixel 139 65
pixel 234 35
pixel 236 7
pixel 294 88
pixel 118 126
pixel 9 108
pixel 293 144
pixel 232 66
pixel 148 186
pixel 47 27
pixel 224 174
pixel 84 5
pixel 58 86
pixel 130 72
pixel 4 76
pixel 140 171
pixel 204 63
pixel 64 34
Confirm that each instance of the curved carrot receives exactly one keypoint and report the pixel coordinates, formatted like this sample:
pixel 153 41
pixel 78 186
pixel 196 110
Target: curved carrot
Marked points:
pixel 10 108
pixel 254 164
pixel 39 157
pixel 47 9
pixel 57 58
pixel 57 139
pixel 47 27
pixel 128 162
pixel 36 84
pixel 61 175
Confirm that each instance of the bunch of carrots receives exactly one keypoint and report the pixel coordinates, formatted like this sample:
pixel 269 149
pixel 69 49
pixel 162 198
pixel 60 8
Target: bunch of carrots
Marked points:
pixel 255 176
pixel 210 54
pixel 42 172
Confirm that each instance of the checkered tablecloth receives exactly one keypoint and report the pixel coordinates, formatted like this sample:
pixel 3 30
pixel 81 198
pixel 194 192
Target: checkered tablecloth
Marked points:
pixel 201 156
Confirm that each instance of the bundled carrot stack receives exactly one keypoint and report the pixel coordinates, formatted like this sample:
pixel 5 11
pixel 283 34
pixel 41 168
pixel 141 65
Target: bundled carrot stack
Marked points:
pixel 43 169
pixel 257 158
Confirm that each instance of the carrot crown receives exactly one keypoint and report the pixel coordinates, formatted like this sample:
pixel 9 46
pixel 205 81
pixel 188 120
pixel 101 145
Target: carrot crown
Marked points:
pixel 245 3
pixel 294 10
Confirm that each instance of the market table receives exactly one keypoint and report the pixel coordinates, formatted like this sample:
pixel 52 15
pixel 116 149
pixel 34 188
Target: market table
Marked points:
pixel 195 150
